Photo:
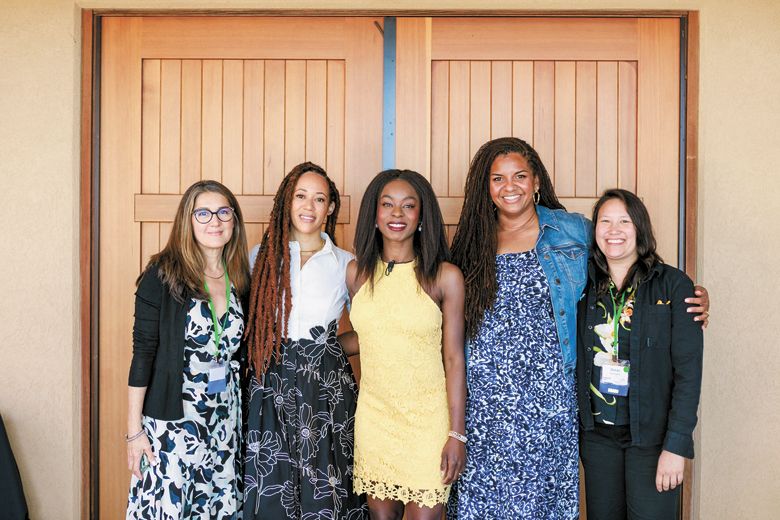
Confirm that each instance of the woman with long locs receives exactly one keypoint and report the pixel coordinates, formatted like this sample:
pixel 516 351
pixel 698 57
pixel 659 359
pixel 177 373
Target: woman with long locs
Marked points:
pixel 184 398
pixel 302 393
pixel 407 312
pixel 524 259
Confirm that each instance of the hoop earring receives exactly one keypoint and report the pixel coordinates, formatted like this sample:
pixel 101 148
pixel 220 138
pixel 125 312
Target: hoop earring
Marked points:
pixel 376 226
pixel 537 196
pixel 419 228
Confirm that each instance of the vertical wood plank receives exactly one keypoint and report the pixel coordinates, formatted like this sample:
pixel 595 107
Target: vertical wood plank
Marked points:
pixel 413 93
pixel 523 100
pixel 120 177
pixel 440 118
pixel 544 114
pixel 585 152
pixel 273 129
pixel 232 124
pixel 607 137
pixel 170 127
pixel 150 242
pixel 459 145
pixel 294 114
pixel 627 121
pixel 479 105
pixel 334 151
pixel 211 123
pixel 150 127
pixel 191 93
pixel 254 234
pixel 316 111
pixel 565 114
pixel 658 130
pixel 165 234
pixel 254 83
pixel 501 99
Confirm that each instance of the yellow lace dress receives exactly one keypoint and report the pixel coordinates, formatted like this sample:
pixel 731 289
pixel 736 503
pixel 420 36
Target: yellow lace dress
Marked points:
pixel 402 421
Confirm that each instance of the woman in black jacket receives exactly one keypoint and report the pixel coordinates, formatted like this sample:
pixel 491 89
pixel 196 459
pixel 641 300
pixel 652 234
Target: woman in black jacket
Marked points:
pixel 184 413
pixel 638 370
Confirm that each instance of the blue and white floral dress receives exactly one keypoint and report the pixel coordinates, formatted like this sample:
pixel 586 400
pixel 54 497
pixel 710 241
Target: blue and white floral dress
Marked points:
pixel 198 475
pixel 521 415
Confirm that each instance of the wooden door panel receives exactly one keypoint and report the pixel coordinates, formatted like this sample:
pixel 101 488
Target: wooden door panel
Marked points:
pixel 238 100
pixel 597 98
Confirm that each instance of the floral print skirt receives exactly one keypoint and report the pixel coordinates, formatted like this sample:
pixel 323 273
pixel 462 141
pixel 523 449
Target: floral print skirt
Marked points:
pixel 300 434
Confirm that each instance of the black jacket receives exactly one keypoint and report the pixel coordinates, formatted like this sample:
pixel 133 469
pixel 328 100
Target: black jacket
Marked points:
pixel 158 347
pixel 666 361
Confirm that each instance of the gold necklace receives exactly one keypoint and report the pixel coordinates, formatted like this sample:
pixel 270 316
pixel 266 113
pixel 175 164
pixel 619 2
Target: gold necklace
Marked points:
pixel 310 251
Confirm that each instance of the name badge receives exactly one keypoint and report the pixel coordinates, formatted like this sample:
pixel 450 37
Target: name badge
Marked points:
pixel 614 378
pixel 217 378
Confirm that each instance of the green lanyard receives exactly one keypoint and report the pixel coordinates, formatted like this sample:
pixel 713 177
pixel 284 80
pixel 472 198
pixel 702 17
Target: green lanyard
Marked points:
pixel 219 327
pixel 617 311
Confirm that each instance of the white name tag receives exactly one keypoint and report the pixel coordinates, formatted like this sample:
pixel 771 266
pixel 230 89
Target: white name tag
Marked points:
pixel 217 378
pixel 614 378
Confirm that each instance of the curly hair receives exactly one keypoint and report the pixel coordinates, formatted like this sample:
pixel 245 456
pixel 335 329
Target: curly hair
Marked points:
pixel 270 296
pixel 475 243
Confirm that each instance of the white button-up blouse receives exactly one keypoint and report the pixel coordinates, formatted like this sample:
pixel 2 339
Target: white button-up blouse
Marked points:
pixel 319 289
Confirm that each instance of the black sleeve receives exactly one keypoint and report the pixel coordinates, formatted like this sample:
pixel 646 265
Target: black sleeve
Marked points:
pixel 146 328
pixel 686 350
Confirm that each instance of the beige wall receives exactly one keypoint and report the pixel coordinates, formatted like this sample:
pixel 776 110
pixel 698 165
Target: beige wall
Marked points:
pixel 739 218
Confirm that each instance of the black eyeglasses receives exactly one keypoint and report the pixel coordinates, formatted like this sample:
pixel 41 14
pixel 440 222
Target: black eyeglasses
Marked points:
pixel 204 215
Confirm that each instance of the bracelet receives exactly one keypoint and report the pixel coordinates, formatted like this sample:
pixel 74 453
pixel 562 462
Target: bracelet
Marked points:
pixel 459 436
pixel 131 438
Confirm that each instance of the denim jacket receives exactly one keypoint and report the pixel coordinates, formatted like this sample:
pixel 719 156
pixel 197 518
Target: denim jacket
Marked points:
pixel 562 248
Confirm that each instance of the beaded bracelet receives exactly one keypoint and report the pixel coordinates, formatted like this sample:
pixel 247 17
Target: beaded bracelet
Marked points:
pixel 131 438
pixel 459 436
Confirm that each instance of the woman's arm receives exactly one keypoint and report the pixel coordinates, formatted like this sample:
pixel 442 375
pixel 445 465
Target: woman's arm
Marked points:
pixel 452 290
pixel 349 338
pixel 687 345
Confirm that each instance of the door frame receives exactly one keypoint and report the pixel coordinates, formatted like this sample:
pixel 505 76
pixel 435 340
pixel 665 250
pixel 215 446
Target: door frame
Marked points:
pixel 89 225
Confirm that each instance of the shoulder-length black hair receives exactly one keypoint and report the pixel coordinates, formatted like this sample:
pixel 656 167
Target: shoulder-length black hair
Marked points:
pixel 430 244
pixel 475 243
pixel 647 258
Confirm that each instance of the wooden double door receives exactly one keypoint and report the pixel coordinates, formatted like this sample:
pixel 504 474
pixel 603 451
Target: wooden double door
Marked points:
pixel 243 99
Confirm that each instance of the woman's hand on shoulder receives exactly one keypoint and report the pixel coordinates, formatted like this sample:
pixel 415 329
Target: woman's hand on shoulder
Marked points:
pixel 453 460
pixel 700 304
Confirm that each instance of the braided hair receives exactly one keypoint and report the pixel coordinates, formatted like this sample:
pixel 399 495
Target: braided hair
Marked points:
pixel 270 297
pixel 475 243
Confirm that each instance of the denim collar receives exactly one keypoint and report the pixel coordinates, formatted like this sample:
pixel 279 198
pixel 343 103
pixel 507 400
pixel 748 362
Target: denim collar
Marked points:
pixel 547 218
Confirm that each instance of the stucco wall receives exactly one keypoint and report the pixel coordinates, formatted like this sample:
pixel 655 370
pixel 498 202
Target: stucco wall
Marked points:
pixel 738 239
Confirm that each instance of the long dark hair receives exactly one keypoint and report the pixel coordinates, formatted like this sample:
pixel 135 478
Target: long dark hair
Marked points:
pixel 645 242
pixel 270 297
pixel 430 244
pixel 475 243
pixel 181 262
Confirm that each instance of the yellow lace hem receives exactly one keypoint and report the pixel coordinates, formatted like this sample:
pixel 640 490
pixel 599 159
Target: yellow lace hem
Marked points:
pixel 385 491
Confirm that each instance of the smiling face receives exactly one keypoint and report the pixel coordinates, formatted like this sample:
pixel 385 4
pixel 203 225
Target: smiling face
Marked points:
pixel 616 233
pixel 512 184
pixel 310 204
pixel 215 234
pixel 398 211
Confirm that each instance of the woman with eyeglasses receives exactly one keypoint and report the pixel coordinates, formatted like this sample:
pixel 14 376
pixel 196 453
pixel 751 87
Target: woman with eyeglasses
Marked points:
pixel 184 413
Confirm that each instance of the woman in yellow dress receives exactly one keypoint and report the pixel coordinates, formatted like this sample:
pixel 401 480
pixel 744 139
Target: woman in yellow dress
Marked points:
pixel 407 311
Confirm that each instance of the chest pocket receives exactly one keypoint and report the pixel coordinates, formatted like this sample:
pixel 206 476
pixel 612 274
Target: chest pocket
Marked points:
pixel 659 327
pixel 572 260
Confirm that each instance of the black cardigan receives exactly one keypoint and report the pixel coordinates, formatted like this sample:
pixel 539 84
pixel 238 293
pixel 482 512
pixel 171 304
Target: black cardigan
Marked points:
pixel 158 347
pixel 666 361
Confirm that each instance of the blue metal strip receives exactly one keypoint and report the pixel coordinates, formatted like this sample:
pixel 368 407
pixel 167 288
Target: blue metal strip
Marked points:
pixel 683 141
pixel 388 96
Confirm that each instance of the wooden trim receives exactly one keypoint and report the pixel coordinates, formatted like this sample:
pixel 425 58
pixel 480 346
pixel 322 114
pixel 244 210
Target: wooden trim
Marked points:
pixel 691 209
pixel 85 255
pixel 476 13
pixel 154 207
